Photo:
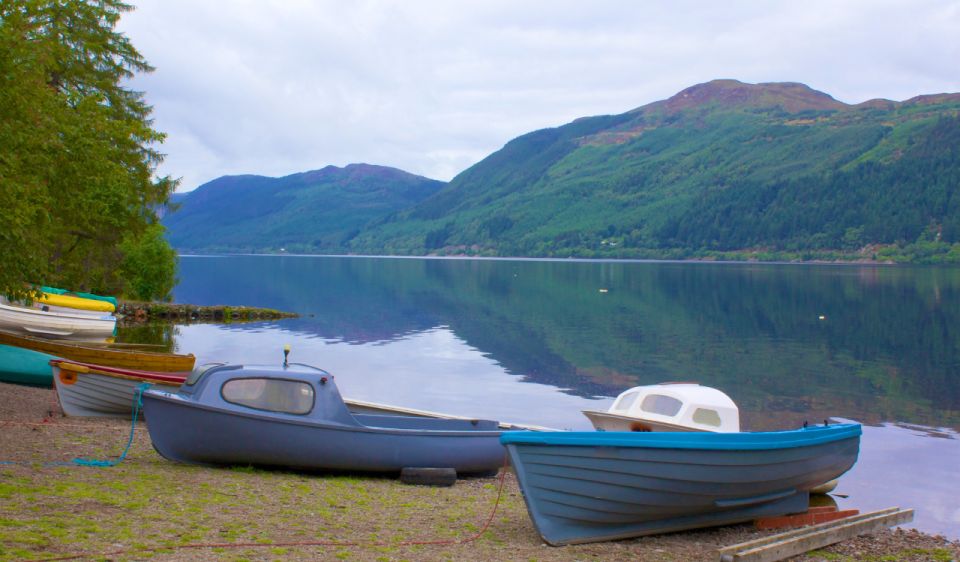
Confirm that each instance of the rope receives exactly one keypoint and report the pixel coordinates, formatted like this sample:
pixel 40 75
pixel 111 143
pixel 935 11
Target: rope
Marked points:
pixel 137 404
pixel 197 546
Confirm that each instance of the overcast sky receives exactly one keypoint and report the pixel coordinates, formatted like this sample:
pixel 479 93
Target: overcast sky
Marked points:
pixel 432 87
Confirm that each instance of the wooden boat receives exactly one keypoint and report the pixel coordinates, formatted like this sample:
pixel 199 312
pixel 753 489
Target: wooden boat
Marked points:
pixel 365 407
pixel 26 359
pixel 55 324
pixel 593 486
pixel 95 390
pixel 295 417
pixel 669 407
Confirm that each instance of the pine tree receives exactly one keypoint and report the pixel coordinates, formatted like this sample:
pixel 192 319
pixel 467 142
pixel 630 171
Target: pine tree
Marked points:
pixel 77 150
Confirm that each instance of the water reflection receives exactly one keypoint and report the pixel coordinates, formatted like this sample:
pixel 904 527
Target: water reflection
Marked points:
pixel 789 343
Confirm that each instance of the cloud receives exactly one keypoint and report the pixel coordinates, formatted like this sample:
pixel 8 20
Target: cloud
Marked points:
pixel 432 87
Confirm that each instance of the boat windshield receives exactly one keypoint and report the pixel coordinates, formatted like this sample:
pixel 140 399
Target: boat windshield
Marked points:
pixel 273 395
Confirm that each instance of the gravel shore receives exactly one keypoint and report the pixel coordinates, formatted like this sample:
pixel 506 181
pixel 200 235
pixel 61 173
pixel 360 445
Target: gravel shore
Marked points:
pixel 148 507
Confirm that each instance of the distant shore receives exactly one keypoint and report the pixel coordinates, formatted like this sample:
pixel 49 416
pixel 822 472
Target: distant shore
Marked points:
pixel 859 262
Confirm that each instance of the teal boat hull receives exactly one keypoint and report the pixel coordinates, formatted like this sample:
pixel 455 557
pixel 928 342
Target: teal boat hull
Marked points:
pixel 25 366
pixel 584 487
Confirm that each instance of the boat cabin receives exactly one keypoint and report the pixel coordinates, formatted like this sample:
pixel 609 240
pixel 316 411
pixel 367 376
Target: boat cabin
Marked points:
pixel 669 407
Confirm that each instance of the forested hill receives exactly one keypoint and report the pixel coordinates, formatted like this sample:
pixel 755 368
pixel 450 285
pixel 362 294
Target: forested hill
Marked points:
pixel 314 211
pixel 720 170
pixel 775 170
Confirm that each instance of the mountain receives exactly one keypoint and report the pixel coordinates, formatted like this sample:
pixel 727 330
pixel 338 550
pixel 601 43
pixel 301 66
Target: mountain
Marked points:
pixel 315 211
pixel 718 169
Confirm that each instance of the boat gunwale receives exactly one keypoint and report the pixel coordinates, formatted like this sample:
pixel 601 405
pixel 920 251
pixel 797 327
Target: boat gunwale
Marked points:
pixel 744 441
pixel 53 347
pixel 167 378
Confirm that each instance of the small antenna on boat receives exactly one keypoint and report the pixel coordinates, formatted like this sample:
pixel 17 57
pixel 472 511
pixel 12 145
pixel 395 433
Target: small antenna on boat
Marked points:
pixel 286 353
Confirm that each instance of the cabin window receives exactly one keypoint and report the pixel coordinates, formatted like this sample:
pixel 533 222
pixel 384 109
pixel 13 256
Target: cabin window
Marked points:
pixel 706 417
pixel 660 404
pixel 274 395
pixel 626 402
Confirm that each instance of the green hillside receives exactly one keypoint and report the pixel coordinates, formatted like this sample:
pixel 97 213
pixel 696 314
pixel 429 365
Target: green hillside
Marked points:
pixel 722 169
pixel 310 212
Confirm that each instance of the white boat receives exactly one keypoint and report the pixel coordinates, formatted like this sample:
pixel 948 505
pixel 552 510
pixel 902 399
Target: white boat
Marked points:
pixel 681 407
pixel 55 324
pixel 669 407
pixel 94 390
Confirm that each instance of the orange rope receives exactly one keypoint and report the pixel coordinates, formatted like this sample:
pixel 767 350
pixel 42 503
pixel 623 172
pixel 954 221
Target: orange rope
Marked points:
pixel 467 540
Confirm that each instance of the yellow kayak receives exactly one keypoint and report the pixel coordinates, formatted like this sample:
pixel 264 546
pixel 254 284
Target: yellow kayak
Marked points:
pixel 79 303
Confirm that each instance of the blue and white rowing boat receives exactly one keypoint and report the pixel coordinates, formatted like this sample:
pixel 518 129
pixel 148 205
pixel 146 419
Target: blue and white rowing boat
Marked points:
pixel 595 486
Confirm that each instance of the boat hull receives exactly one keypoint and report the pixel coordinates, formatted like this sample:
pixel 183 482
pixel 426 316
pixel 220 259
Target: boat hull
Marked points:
pixel 88 394
pixel 24 366
pixel 142 360
pixel 587 487
pixel 55 324
pixel 198 434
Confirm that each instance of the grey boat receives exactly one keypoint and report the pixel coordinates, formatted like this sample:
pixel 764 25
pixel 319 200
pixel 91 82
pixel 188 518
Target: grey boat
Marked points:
pixel 593 486
pixel 294 417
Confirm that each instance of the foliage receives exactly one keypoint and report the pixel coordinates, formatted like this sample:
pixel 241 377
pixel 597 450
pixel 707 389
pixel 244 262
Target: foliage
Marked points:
pixel 318 211
pixel 78 148
pixel 149 264
pixel 703 181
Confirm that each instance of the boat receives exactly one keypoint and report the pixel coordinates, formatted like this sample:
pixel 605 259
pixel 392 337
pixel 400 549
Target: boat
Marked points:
pixel 25 359
pixel 294 417
pixel 669 407
pixel 66 301
pixel 55 323
pixel 594 486
pixel 51 292
pixel 24 366
pixel 672 406
pixel 94 390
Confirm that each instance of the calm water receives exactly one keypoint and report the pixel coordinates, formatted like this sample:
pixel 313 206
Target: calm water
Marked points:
pixel 537 341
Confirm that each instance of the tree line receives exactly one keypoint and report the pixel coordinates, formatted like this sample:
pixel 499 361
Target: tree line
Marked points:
pixel 78 155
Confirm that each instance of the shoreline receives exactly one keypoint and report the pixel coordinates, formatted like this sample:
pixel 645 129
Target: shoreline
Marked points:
pixel 150 507
pixel 138 312
pixel 466 257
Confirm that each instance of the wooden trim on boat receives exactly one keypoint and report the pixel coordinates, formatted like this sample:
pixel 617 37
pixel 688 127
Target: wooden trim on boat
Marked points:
pixel 129 374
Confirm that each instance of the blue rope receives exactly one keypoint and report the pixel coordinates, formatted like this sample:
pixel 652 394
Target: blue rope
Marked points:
pixel 137 404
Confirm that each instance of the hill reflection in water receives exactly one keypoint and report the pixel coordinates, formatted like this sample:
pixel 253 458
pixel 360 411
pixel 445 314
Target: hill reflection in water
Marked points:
pixel 887 347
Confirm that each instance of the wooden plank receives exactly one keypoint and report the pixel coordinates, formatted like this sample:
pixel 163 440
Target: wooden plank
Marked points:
pixel 781 536
pixel 376 408
pixel 803 519
pixel 792 543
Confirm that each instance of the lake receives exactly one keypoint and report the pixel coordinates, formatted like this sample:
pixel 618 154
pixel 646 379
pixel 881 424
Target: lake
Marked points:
pixel 537 341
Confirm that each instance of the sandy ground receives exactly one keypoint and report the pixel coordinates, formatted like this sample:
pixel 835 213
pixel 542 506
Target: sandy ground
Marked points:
pixel 150 508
